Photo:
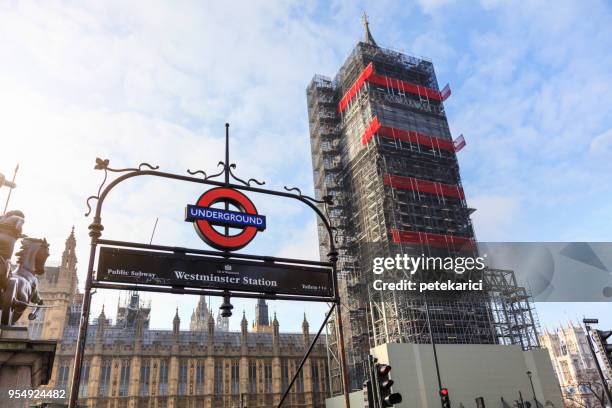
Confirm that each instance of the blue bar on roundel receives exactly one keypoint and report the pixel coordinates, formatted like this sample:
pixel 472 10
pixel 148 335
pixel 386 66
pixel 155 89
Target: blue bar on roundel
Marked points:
pixel 218 216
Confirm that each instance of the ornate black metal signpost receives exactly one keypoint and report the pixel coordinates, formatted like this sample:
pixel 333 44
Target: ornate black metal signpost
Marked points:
pixel 156 268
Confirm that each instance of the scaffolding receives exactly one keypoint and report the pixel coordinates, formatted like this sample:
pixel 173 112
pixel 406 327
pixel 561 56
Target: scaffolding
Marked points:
pixel 382 148
pixel 514 317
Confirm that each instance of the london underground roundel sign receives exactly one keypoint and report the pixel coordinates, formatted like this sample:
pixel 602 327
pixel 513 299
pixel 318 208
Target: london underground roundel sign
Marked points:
pixel 204 216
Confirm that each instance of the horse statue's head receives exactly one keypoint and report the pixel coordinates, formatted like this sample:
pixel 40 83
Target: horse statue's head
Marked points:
pixel 33 255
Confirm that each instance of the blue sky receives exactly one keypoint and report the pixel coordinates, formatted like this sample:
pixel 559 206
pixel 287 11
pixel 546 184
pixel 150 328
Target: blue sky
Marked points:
pixel 156 82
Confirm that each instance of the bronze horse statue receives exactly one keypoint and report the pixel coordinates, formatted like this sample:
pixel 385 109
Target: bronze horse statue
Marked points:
pixel 19 287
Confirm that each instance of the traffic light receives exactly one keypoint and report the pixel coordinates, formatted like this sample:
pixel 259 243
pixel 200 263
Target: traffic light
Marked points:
pixel 377 390
pixel 445 398
pixel 387 398
pixel 368 394
pixel 602 338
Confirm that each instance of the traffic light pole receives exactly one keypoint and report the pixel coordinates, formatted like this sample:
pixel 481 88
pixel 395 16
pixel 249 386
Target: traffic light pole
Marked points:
pixel 374 381
pixel 433 344
pixel 533 389
pixel 604 384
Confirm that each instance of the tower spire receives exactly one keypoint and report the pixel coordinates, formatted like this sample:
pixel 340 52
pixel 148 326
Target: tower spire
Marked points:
pixel 275 330
pixel 69 259
pixel 176 323
pixel 368 39
pixel 261 313
pixel 305 325
pixel 199 317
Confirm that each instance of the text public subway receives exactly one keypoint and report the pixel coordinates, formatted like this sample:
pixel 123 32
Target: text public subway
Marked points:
pixel 225 217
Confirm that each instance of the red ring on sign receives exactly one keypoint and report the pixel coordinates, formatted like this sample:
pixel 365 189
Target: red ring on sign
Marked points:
pixel 216 239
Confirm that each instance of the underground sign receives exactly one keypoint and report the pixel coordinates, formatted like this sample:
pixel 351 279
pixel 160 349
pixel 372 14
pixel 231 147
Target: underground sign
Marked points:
pixel 204 216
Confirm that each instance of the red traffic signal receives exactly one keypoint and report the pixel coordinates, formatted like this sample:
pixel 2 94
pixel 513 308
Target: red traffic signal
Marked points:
pixel 444 398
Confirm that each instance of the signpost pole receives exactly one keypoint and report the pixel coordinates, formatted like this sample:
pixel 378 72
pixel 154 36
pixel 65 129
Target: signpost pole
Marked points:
pixel 333 258
pixel 312 344
pixel 95 231
pixel 227 163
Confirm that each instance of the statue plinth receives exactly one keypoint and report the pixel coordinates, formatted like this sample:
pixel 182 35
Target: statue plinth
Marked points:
pixel 25 364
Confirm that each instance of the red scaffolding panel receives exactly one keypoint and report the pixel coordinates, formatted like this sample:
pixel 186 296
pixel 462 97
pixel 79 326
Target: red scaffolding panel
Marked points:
pixel 355 87
pixel 372 128
pixel 429 238
pixel 459 143
pixel 445 92
pixel 424 186
pixel 368 75
pixel 404 86
pixel 375 127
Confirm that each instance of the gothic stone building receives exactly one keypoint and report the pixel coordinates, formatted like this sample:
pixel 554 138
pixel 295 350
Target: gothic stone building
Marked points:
pixel 574 365
pixel 128 364
pixel 58 288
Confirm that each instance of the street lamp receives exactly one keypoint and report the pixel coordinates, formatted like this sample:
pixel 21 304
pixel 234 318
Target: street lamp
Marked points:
pixel 533 389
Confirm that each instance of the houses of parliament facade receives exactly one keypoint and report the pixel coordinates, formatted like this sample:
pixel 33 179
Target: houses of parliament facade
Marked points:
pixel 130 365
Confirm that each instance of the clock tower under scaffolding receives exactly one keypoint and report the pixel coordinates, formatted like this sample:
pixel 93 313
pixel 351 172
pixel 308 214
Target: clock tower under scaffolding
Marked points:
pixel 382 148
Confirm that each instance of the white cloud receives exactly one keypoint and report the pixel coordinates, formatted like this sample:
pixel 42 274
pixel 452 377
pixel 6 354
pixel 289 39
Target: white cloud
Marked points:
pixel 435 47
pixel 494 213
pixel 530 104
pixel 302 244
pixel 431 6
pixel 602 144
